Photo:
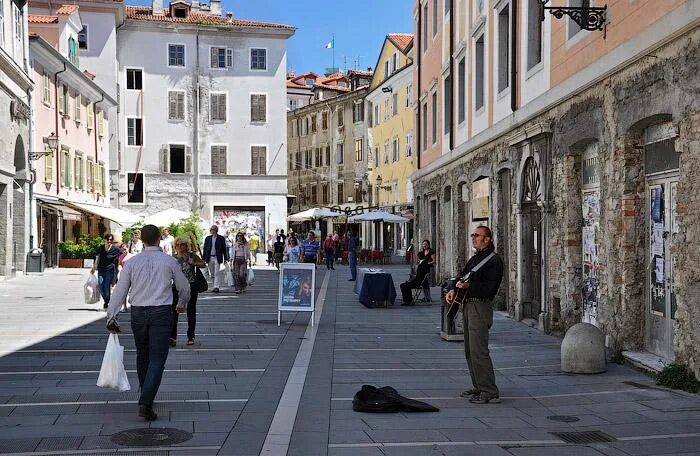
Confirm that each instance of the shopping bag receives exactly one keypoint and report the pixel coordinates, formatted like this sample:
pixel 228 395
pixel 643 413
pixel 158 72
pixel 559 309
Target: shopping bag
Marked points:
pixel 91 290
pixel 112 373
pixel 251 277
pixel 228 275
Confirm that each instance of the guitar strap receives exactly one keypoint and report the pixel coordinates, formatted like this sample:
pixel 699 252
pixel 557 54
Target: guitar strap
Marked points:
pixel 483 262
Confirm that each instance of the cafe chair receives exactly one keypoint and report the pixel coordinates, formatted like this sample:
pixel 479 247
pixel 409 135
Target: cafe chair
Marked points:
pixel 422 292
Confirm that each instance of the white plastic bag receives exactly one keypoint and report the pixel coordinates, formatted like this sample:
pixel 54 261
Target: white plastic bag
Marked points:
pixel 228 275
pixel 251 277
pixel 91 290
pixel 112 373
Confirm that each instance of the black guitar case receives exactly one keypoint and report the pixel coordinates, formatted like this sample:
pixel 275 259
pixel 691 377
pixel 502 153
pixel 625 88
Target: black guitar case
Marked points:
pixel 387 400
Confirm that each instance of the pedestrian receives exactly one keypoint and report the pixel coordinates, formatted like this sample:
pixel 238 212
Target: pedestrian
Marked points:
pixel 240 255
pixel 476 294
pixel 188 262
pixel 292 252
pixel 270 248
pixel 310 248
pixel 329 251
pixel 148 278
pixel 253 245
pixel 353 244
pixel 337 250
pixel 281 235
pixel 106 267
pixel 136 244
pixel 215 253
pixel 167 241
pixel 278 249
pixel 426 260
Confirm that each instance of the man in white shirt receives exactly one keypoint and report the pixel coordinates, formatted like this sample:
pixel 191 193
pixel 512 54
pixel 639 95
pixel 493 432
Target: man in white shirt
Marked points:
pixel 148 279
pixel 215 253
pixel 167 242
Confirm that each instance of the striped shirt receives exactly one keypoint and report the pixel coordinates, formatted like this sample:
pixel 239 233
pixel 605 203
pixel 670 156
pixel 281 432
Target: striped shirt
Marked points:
pixel 310 248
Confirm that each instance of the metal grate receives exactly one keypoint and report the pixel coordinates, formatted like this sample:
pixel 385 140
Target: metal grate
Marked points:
pixel 563 418
pixel 584 437
pixel 141 437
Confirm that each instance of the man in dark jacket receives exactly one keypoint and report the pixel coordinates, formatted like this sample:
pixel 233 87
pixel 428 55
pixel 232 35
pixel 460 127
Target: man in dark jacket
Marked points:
pixel 215 253
pixel 477 314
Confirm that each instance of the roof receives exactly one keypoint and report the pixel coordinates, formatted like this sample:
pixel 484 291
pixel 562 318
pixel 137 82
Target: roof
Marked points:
pixel 403 41
pixel 361 72
pixel 42 19
pixel 294 85
pixel 145 13
pixel 67 9
pixel 332 87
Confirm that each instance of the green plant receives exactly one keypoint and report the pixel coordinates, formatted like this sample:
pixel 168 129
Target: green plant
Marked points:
pixel 86 247
pixel 188 227
pixel 128 233
pixel 678 376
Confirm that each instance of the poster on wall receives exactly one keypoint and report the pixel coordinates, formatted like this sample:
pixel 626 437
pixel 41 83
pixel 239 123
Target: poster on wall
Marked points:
pixel 296 289
pixel 240 219
pixel 591 225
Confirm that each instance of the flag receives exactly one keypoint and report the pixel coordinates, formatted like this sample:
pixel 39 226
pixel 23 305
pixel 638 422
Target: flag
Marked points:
pixel 330 44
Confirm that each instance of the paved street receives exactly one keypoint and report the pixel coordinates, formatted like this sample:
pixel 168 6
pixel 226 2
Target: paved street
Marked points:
pixel 249 387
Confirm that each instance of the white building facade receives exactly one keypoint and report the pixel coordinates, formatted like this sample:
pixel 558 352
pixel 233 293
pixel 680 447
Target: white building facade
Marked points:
pixel 203 115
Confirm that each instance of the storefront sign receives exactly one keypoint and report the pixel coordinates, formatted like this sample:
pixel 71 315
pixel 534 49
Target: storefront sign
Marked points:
pixel 296 289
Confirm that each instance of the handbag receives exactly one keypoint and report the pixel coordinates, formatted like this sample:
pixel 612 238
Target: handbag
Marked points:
pixel 200 284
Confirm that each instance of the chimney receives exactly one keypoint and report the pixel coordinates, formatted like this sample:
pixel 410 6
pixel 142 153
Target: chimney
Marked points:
pixel 215 8
pixel 157 6
pixel 229 14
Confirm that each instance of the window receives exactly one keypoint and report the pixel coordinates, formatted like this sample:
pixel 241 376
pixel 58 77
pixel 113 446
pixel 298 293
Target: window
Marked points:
pixel 83 38
pixel 19 32
pixel 409 88
pixel 358 149
pixel 386 108
pixel 534 33
pixel 395 104
pixel 358 112
pixel 341 193
pixel 447 101
pixel 308 159
pixel 65 168
pixel 90 115
pixel 425 27
pixel 386 152
pixel 435 18
pixel 258 59
pixel 339 150
pixel 221 57
pixel 293 104
pixel 395 150
pixel 409 144
pixel 90 175
pixel 218 159
pixel 73 51
pixel 45 86
pixel 574 28
pixel 180 12
pixel 358 191
pixel 461 91
pixel 314 194
pixel 318 157
pixel 310 82
pixel 99 179
pixel 324 193
pixel 77 108
pixel 328 155
pixel 258 156
pixel 479 70
pixel 503 49
pixel 341 118
pixel 217 111
pixel 394 63
pixel 376 114
pixel 76 179
pixel 258 108
pixel 176 159
pixel 48 164
pixel 386 69
pixel 434 120
pixel 297 161
pixel 134 133
pixel 176 55
pixel 324 120
pixel 135 193
pixel 176 105
pixel 425 126
pixel 314 123
pixel 376 156
pixel 448 6
pixel 63 103
pixel 134 79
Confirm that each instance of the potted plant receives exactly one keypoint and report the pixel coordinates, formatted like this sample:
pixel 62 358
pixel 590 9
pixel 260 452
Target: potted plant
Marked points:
pixel 74 254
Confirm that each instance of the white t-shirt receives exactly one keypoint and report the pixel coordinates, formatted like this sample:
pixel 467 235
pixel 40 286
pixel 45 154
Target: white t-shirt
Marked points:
pixel 213 246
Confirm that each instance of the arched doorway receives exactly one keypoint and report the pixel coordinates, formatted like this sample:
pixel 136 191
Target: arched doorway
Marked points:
pixel 531 240
pixel 20 206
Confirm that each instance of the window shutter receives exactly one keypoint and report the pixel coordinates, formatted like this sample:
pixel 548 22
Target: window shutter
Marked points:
pixel 90 115
pixel 222 107
pixel 164 159
pixel 100 123
pixel 214 57
pixel 181 105
pixel 229 58
pixel 218 159
pixel 76 182
pixel 214 108
pixel 48 165
pixel 61 99
pixel 172 105
pixel 188 160
pixel 78 105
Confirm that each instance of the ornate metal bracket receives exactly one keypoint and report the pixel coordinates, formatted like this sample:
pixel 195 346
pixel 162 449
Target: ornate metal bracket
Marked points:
pixel 349 211
pixel 37 155
pixel 588 18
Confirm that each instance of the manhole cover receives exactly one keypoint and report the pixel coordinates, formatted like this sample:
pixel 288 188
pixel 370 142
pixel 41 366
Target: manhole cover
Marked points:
pixel 585 437
pixel 563 418
pixel 151 437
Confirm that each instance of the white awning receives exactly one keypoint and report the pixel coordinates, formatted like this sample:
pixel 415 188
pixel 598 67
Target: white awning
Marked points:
pixel 111 213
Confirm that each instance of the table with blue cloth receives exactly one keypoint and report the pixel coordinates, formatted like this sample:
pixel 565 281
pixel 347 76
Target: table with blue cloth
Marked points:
pixel 375 287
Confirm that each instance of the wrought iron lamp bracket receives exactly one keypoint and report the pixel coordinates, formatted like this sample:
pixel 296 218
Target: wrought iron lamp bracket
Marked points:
pixel 350 211
pixel 588 18
pixel 37 155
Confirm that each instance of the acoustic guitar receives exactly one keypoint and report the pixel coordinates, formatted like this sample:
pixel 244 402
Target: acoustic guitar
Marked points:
pixel 461 293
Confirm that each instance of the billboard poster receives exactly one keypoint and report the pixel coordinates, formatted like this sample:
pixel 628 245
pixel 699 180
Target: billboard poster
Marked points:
pixel 296 288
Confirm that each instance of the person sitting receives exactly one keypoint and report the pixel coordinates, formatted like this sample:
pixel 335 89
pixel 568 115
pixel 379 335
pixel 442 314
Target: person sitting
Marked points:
pixel 426 260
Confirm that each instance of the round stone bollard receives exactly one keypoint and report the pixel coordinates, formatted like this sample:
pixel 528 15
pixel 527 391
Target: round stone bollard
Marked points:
pixel 583 350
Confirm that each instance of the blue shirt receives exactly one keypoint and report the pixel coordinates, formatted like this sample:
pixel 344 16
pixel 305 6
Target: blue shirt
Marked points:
pixel 310 248
pixel 352 243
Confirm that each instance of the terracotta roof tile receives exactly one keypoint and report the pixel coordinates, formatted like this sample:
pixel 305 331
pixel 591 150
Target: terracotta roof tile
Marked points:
pixel 361 72
pixel 332 87
pixel 294 85
pixel 145 13
pixel 67 9
pixel 89 75
pixel 401 40
pixel 42 19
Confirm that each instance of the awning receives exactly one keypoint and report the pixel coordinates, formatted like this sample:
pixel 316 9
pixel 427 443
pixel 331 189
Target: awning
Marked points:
pixel 111 213
pixel 67 213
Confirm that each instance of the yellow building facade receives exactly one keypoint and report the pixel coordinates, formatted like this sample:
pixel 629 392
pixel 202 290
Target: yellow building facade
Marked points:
pixel 391 139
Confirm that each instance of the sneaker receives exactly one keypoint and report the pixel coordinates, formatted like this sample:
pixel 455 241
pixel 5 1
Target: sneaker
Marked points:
pixel 190 341
pixel 147 413
pixel 470 393
pixel 484 398
pixel 173 342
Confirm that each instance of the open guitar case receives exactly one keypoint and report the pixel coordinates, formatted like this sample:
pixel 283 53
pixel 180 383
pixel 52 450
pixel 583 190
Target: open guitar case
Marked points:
pixel 386 399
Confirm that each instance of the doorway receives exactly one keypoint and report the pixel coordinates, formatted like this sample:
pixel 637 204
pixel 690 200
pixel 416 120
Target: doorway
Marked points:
pixel 531 241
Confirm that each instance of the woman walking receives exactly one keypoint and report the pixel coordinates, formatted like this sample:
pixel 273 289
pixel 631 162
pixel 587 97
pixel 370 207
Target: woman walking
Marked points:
pixel 292 251
pixel 240 255
pixel 189 261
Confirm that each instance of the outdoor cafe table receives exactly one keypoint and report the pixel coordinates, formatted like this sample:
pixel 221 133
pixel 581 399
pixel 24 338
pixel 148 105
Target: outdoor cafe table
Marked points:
pixel 374 287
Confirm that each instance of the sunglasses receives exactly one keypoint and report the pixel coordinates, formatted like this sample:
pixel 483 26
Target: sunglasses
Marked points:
pixel 476 235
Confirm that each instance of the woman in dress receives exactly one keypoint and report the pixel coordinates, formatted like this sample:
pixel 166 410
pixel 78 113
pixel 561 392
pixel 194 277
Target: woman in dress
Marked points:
pixel 240 256
pixel 292 251
pixel 189 261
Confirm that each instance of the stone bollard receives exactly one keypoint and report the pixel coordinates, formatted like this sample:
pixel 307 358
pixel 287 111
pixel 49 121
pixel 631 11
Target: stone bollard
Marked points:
pixel 583 350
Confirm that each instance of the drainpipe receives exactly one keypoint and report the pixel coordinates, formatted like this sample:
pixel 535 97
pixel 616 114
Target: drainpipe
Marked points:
pixel 452 78
pixel 58 155
pixel 195 131
pixel 97 148
pixel 33 234
pixel 513 56
pixel 419 125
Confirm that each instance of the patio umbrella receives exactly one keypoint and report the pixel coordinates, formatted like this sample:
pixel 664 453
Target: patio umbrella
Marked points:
pixel 378 216
pixel 316 213
pixel 166 217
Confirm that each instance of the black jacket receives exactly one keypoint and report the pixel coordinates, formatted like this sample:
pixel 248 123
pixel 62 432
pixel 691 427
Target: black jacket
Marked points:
pixel 221 250
pixel 484 283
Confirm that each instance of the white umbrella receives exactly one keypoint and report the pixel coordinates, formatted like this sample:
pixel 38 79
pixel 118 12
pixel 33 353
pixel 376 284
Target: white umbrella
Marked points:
pixel 313 214
pixel 378 216
pixel 166 217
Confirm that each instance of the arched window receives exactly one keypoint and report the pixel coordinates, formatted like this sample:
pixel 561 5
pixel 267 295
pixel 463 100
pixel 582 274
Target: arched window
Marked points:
pixel 531 182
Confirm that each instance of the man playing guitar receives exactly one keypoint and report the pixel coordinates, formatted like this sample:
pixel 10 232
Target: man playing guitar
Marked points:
pixel 479 283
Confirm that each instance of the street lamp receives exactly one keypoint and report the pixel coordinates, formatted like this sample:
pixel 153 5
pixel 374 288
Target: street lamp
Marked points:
pixel 51 142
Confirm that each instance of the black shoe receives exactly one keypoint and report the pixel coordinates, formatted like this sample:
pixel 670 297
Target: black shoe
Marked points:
pixel 484 398
pixel 470 393
pixel 146 412
pixel 351 280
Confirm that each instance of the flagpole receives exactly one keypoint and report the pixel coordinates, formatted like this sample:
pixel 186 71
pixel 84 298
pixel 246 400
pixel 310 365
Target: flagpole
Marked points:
pixel 333 49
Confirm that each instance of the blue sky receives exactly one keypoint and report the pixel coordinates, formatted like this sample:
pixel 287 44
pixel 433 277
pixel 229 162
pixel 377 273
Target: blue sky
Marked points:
pixel 359 26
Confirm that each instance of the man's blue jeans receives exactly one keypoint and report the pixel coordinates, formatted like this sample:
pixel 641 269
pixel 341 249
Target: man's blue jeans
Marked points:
pixel 151 326
pixel 105 278
pixel 352 261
